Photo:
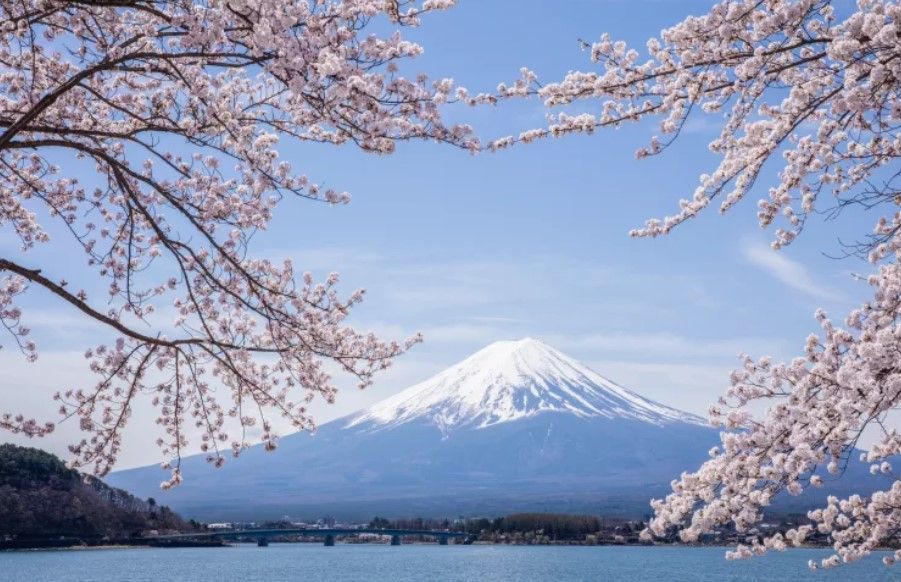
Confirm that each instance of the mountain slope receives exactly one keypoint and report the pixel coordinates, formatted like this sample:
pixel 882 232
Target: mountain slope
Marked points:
pixel 516 426
pixel 511 380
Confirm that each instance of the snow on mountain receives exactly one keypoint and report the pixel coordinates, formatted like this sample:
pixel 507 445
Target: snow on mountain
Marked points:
pixel 511 380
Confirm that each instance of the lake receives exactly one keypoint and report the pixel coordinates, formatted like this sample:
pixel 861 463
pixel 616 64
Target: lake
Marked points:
pixel 249 563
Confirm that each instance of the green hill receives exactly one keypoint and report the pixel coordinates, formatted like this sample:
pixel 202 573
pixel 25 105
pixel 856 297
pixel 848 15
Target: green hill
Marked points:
pixel 44 503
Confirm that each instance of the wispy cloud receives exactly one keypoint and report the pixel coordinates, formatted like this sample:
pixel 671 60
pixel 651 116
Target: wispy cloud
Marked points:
pixel 662 346
pixel 494 319
pixel 689 387
pixel 790 272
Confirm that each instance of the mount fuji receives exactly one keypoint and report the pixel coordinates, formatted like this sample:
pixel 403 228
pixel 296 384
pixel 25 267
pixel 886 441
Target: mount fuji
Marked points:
pixel 510 381
pixel 516 426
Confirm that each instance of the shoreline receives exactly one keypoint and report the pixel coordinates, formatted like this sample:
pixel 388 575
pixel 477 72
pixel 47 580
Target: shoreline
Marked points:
pixel 103 547
pixel 79 548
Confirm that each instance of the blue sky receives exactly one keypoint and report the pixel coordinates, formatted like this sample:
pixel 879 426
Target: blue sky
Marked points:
pixel 530 241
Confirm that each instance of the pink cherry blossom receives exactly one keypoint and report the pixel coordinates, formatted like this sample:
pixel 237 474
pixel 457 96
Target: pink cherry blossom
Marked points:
pixel 809 102
pixel 150 131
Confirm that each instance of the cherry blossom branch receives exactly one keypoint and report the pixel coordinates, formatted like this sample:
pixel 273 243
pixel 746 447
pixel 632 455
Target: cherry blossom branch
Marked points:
pixel 116 91
pixel 817 98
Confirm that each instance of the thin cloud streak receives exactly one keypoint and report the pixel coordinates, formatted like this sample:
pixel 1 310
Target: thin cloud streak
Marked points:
pixel 663 346
pixel 790 272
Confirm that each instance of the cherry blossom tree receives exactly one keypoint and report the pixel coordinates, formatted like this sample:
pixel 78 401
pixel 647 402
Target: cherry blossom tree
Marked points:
pixel 810 99
pixel 147 132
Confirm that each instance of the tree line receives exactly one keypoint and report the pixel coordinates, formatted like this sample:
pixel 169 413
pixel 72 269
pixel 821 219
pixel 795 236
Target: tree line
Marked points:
pixel 538 527
pixel 43 502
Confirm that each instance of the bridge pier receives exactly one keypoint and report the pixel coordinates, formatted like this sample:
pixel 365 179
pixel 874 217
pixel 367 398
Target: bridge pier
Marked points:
pixel 395 540
pixel 263 542
pixel 329 540
pixel 442 541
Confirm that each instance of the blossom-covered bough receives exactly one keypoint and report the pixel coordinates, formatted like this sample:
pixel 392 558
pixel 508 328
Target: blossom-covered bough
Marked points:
pixel 814 97
pixel 147 131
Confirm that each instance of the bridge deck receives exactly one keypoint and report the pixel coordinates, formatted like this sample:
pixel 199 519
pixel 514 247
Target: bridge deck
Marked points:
pixel 271 533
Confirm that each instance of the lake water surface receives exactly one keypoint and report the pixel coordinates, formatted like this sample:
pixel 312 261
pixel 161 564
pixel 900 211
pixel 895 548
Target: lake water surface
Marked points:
pixel 283 562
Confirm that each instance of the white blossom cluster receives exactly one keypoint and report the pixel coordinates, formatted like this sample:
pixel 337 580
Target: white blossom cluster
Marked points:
pixel 811 95
pixel 849 379
pixel 784 78
pixel 97 102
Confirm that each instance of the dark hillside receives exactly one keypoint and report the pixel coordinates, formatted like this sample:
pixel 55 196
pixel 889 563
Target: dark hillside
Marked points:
pixel 43 503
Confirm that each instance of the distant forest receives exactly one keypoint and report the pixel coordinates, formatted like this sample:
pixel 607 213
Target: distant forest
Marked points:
pixel 44 503
pixel 530 528
pixel 561 528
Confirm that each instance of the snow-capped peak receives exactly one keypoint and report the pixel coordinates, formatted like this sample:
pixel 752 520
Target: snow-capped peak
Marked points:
pixel 509 380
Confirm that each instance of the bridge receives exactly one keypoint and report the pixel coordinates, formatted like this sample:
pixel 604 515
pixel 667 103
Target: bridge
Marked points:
pixel 329 534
